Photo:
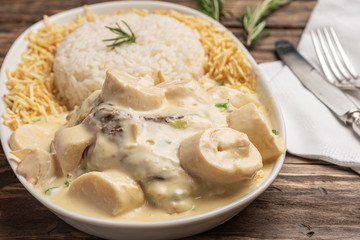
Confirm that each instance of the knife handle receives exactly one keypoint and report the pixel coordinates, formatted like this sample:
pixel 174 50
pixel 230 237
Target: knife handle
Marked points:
pixel 356 126
pixel 353 118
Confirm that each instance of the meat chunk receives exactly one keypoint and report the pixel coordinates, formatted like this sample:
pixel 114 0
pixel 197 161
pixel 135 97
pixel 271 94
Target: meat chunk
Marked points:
pixel 107 118
pixel 249 120
pixel 236 98
pixel 184 90
pixel 70 143
pixel 111 190
pixel 37 167
pixel 160 119
pixel 164 182
pixel 126 90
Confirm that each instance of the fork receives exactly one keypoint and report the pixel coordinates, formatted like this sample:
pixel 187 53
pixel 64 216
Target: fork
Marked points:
pixel 334 62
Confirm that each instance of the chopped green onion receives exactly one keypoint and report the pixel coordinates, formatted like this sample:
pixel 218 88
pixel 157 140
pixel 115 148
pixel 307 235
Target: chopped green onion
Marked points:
pixel 223 105
pixel 180 123
pixel 168 141
pixel 67 183
pixel 221 84
pixel 36 120
pixel 275 132
pixel 51 191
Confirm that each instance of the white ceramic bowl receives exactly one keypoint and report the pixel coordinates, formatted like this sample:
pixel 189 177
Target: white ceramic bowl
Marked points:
pixel 139 230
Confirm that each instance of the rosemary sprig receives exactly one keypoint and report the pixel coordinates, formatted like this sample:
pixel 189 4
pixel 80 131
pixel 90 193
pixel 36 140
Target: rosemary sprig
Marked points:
pixel 253 22
pixel 212 8
pixel 123 37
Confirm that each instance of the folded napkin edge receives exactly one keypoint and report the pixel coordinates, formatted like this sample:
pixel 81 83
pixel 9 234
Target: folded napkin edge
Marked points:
pixel 326 159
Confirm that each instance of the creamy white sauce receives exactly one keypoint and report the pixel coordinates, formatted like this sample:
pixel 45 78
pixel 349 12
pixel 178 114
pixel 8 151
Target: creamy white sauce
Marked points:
pixel 145 146
pixel 151 213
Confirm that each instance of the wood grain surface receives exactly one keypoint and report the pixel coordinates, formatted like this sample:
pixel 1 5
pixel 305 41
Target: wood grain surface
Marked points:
pixel 309 200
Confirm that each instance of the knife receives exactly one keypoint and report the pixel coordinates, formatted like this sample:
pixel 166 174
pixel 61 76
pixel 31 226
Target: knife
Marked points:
pixel 346 110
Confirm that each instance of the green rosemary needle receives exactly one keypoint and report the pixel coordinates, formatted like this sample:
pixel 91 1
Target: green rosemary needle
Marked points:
pixel 253 22
pixel 123 37
pixel 212 8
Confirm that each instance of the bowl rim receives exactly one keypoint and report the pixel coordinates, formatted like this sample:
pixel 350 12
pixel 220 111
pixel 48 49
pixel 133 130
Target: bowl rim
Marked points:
pixel 70 14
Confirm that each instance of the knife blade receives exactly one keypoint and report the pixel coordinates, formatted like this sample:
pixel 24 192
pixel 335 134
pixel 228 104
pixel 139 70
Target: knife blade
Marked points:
pixel 328 94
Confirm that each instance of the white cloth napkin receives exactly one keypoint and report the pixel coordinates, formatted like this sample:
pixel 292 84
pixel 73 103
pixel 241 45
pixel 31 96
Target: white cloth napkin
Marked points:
pixel 312 130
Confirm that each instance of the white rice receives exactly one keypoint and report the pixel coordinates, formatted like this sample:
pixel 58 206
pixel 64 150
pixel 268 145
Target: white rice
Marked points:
pixel 162 44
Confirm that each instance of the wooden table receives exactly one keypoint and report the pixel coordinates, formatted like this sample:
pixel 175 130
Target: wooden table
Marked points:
pixel 309 199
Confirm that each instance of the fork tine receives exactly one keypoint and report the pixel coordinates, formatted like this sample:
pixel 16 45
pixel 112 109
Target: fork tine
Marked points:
pixel 335 55
pixel 328 74
pixel 345 59
pixel 328 56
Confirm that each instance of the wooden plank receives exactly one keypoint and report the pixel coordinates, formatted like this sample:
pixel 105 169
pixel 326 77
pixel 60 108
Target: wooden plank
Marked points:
pixel 293 15
pixel 300 190
pixel 263 51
